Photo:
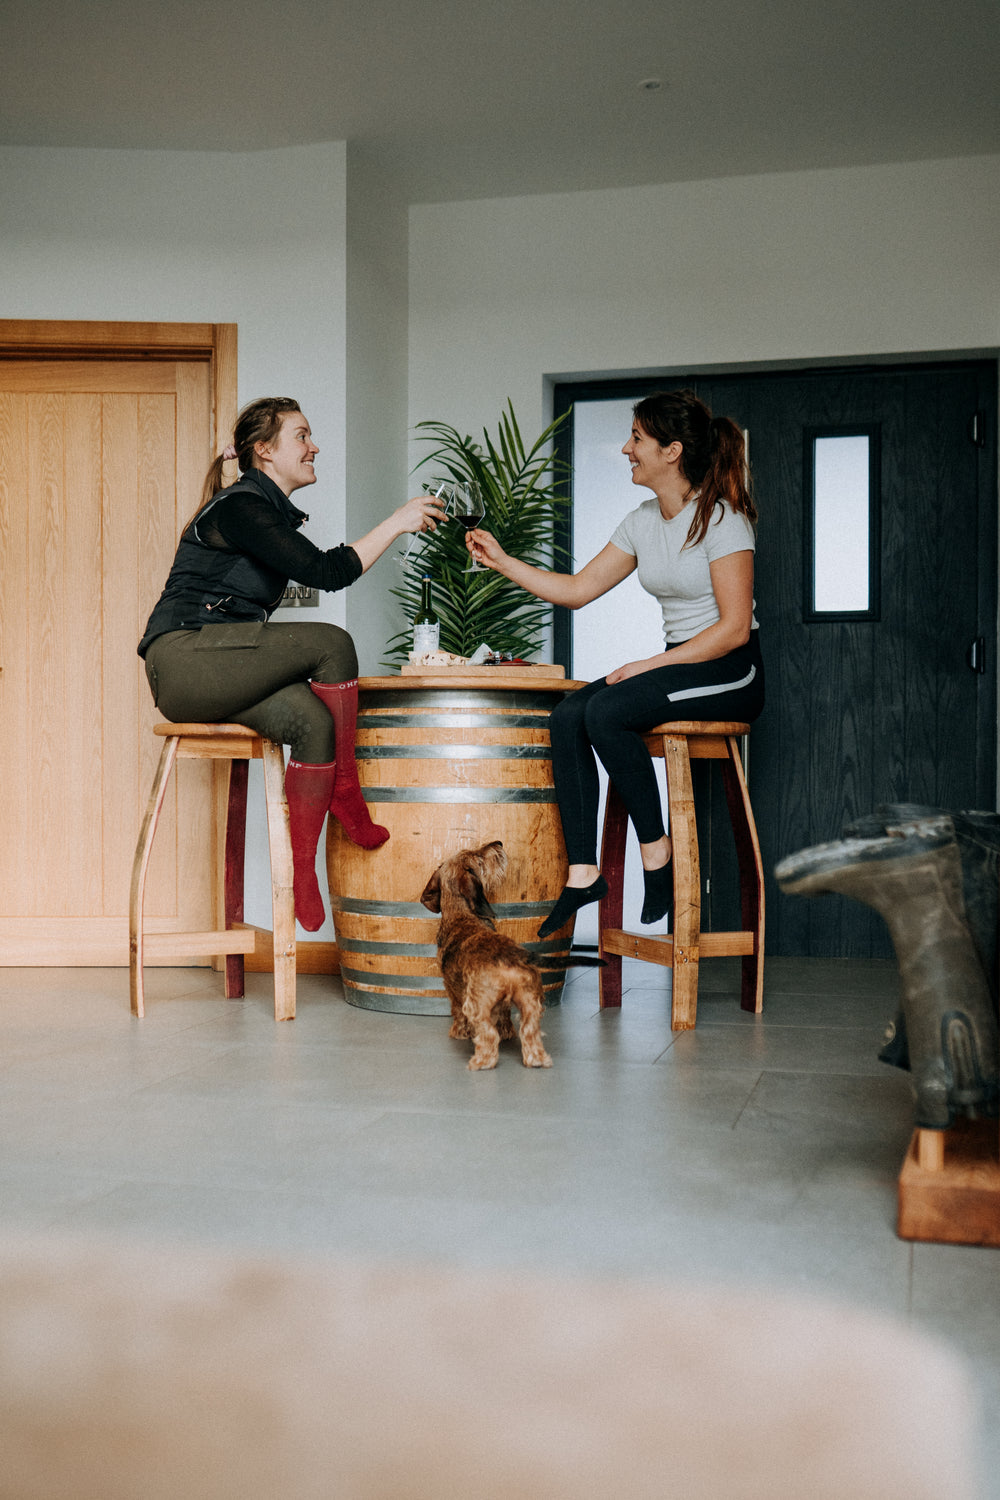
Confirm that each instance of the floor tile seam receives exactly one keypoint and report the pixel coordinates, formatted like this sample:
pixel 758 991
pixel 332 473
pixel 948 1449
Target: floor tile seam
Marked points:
pixel 164 1080
pixel 770 1026
pixel 614 1199
pixel 66 1210
pixel 832 1072
pixel 834 990
pixel 634 1133
pixel 571 1118
pixel 316 1047
pixel 216 1006
pixel 735 1065
pixel 746 1103
pixel 765 1017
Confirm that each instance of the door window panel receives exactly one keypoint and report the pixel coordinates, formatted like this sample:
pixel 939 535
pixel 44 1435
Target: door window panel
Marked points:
pixel 841 524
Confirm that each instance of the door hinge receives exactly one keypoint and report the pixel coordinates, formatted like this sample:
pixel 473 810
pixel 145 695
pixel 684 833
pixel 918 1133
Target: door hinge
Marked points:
pixel 976 654
pixel 977 429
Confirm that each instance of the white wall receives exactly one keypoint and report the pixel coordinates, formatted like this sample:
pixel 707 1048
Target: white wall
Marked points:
pixel 255 239
pixel 376 392
pixel 796 266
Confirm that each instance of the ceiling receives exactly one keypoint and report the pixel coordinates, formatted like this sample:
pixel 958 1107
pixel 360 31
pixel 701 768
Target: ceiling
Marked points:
pixel 474 100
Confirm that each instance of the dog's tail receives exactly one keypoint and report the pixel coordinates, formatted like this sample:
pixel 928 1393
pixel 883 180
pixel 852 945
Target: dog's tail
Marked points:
pixel 574 959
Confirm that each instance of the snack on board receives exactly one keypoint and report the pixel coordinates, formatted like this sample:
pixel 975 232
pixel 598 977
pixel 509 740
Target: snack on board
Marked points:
pixel 437 659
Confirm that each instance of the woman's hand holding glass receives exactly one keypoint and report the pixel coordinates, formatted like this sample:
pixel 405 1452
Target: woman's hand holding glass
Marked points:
pixel 484 549
pixel 466 503
pixel 421 513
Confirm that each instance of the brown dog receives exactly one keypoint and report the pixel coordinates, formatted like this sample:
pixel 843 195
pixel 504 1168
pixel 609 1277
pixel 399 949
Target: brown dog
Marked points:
pixel 485 972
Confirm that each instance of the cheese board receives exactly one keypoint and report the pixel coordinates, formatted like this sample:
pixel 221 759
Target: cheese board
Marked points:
pixel 503 671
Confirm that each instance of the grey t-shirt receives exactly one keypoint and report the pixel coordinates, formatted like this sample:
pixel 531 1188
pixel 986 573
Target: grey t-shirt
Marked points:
pixel 678 577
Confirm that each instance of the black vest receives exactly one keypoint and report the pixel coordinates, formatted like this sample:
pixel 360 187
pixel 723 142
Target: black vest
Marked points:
pixel 210 586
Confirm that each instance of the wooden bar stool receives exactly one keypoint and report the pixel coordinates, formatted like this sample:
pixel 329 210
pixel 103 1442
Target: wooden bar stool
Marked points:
pixel 238 746
pixel 683 949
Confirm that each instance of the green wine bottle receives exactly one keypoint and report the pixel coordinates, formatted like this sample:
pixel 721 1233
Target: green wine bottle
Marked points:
pixel 426 625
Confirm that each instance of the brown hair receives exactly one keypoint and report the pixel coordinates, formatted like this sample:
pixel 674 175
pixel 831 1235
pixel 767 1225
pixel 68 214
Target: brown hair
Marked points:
pixel 714 458
pixel 258 422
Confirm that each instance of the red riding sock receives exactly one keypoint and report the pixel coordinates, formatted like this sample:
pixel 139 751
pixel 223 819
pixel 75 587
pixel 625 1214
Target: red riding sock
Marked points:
pixel 308 789
pixel 347 803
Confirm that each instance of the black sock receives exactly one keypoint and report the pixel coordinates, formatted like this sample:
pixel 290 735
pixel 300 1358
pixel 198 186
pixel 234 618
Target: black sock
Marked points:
pixel 659 893
pixel 572 898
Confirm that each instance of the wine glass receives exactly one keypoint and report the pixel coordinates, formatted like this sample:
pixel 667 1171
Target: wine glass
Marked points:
pixel 467 506
pixel 416 537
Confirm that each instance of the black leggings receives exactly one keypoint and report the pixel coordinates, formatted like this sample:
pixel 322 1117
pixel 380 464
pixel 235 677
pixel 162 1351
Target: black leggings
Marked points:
pixel 257 675
pixel 611 721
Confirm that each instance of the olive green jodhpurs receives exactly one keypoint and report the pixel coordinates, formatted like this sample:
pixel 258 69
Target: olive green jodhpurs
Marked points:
pixel 255 674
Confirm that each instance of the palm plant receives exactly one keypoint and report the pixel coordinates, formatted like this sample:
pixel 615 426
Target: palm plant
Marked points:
pixel 522 493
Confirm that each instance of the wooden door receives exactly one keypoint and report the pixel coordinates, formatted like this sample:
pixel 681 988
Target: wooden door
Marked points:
pixel 888 709
pixel 101 460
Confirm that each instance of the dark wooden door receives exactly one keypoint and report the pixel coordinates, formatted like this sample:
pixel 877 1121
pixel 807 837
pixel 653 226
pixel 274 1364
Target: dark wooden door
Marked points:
pixel 864 711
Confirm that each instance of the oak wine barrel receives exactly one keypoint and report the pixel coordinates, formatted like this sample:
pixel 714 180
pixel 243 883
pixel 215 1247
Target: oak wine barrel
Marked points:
pixel 444 768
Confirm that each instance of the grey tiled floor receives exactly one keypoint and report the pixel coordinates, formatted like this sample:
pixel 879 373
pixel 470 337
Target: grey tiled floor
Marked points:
pixel 758 1151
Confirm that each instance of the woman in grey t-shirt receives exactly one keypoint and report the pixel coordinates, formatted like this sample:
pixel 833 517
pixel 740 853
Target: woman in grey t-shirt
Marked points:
pixel 693 547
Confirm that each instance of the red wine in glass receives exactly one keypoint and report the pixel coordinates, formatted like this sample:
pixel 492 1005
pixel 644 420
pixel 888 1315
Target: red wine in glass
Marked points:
pixel 468 508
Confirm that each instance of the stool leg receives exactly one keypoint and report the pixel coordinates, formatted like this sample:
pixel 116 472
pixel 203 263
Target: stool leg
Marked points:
pixel 751 869
pixel 687 882
pixel 234 868
pixel 610 907
pixel 140 864
pixel 282 898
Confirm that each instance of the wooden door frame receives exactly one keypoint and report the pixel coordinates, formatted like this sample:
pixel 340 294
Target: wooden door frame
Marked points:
pixel 41 340
pixel 58 338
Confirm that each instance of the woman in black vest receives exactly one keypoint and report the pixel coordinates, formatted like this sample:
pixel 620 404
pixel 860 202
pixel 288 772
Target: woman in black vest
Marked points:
pixel 211 654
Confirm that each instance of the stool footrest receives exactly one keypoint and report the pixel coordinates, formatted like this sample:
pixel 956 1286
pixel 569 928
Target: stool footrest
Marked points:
pixel 219 749
pixel 204 944
pixel 659 949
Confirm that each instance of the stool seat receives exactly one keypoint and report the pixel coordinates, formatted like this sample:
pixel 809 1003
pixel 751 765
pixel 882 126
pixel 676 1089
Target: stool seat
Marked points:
pixel 678 743
pixel 237 745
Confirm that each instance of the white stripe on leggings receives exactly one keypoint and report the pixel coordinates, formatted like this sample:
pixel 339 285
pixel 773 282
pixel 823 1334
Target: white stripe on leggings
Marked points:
pixel 717 687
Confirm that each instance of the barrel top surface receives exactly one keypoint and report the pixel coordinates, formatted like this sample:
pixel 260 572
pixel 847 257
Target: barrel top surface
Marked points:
pixel 206 731
pixel 501 681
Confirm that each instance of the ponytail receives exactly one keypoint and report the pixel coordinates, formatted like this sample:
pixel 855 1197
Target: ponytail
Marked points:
pixel 213 483
pixel 727 478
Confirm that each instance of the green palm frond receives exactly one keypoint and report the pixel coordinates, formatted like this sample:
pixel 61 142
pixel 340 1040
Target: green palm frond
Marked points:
pixel 523 490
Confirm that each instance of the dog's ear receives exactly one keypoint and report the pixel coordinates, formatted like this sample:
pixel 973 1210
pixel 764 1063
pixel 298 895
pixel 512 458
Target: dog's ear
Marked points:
pixel 471 887
pixel 431 897
pixel 484 909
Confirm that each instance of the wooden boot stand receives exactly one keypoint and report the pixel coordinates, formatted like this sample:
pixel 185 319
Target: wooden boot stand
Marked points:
pixel 949 1188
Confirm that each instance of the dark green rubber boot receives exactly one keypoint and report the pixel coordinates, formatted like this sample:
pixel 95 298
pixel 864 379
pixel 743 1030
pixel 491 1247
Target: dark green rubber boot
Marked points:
pixel 913 878
pixel 978 838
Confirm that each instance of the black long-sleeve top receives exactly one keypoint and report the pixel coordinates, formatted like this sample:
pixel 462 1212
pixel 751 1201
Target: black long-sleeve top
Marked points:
pixel 237 556
pixel 244 523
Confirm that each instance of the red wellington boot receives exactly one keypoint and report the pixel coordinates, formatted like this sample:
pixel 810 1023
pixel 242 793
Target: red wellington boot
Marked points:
pixel 347 804
pixel 308 789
